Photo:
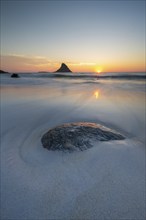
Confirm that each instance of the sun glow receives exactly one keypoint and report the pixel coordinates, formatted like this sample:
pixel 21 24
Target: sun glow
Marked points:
pixel 98 69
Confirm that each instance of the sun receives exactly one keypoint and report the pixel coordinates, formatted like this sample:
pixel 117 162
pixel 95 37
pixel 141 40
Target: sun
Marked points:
pixel 98 69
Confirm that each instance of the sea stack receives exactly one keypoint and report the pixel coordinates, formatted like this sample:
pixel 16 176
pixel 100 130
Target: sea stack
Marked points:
pixel 64 68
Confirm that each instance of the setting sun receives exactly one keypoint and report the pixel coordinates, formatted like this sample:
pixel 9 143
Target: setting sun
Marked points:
pixel 98 69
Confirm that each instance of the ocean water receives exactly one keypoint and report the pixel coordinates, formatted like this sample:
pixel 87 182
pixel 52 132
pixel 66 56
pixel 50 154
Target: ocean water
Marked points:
pixel 118 101
pixel 106 181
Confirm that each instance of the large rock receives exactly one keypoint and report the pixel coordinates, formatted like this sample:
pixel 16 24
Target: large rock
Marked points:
pixel 64 68
pixel 77 136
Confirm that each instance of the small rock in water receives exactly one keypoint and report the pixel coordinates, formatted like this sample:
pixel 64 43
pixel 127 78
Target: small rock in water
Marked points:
pixel 77 136
pixel 15 75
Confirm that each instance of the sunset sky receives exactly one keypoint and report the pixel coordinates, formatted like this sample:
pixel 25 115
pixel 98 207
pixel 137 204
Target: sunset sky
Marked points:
pixel 106 36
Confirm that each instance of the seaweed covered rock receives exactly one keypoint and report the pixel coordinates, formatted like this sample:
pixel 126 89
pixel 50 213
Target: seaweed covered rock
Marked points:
pixel 77 136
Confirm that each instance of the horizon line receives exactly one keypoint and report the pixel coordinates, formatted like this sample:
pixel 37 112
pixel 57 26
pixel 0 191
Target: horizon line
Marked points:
pixel 44 71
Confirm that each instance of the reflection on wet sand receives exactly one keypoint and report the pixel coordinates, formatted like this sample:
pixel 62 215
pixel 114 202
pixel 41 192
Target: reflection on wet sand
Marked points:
pixel 96 93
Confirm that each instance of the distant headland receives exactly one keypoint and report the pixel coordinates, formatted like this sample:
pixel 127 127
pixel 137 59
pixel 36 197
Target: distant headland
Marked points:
pixel 64 68
pixel 43 71
pixel 2 72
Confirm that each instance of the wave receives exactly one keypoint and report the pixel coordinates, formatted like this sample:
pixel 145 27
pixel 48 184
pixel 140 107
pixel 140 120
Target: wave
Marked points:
pixel 95 76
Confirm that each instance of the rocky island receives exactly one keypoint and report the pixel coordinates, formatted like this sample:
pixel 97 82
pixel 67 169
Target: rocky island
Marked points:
pixel 64 68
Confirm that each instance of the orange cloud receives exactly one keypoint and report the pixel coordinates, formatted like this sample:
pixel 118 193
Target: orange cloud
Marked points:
pixel 23 63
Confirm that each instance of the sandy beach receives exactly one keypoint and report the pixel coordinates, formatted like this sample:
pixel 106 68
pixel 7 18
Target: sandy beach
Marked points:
pixel 106 181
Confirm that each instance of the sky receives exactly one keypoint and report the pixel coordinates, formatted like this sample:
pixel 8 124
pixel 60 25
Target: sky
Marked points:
pixel 89 36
